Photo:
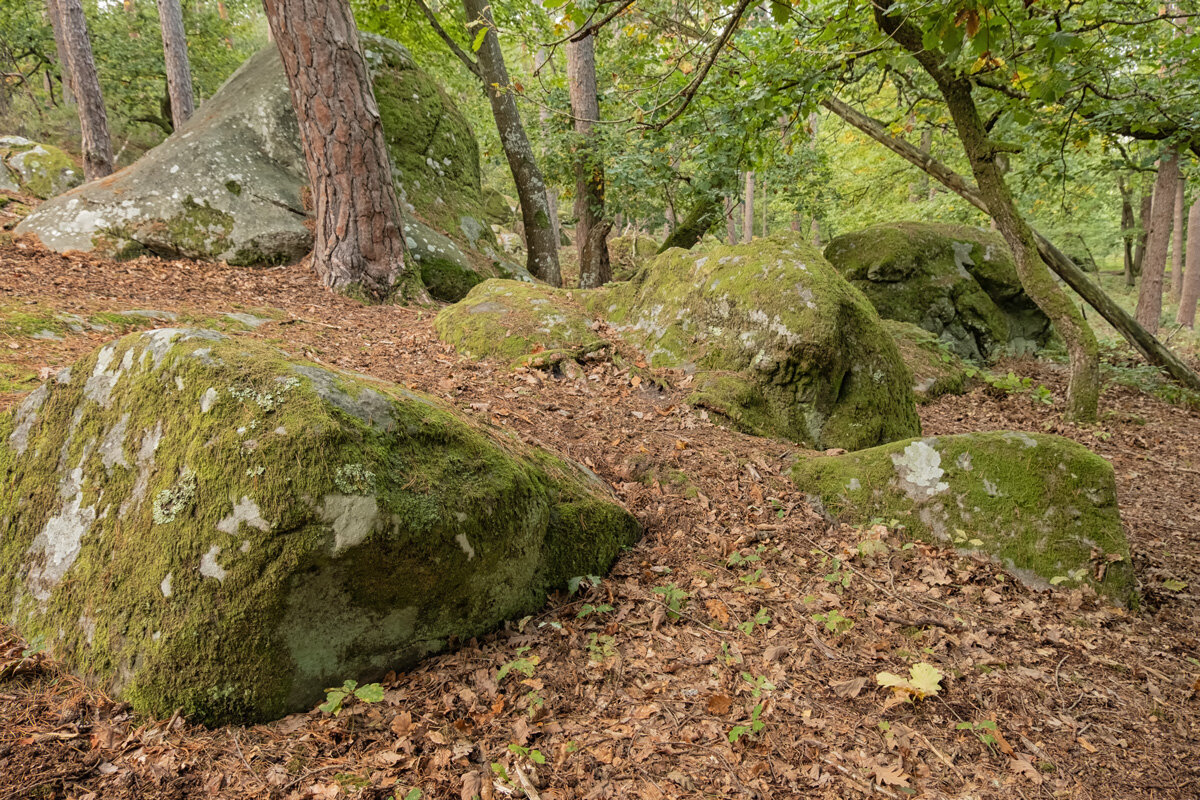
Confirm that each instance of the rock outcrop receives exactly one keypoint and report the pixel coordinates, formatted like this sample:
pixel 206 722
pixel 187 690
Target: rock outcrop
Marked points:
pixel 40 170
pixel 957 282
pixel 1042 505
pixel 230 184
pixel 198 521
pixel 936 371
pixel 629 253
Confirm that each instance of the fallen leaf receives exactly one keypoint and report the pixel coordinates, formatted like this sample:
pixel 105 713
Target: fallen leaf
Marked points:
pixel 889 775
pixel 849 689
pixel 1086 745
pixel 1022 766
pixel 719 704
pixel 472 786
pixel 717 610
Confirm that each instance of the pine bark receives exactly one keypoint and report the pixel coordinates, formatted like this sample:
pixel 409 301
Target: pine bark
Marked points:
pixel 359 245
pixel 1150 294
pixel 541 245
pixel 175 56
pixel 60 48
pixel 1177 237
pixel 748 209
pixel 93 120
pixel 1191 279
pixel 591 231
pixel 1083 389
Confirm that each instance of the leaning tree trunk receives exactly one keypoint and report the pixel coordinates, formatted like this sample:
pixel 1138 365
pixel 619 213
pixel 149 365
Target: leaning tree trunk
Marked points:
pixel 93 121
pixel 1149 305
pixel 60 48
pixel 541 245
pixel 704 214
pixel 591 232
pixel 1083 388
pixel 1191 278
pixel 1177 243
pixel 1138 337
pixel 175 55
pixel 359 245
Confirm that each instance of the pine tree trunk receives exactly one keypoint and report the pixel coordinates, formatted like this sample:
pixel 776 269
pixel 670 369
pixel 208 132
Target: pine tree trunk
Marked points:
pixel 731 232
pixel 1149 306
pixel 1144 210
pixel 175 55
pixel 359 246
pixel 93 121
pixel 1127 223
pixel 1191 279
pixel 748 209
pixel 1177 238
pixel 60 48
pixel 591 232
pixel 541 246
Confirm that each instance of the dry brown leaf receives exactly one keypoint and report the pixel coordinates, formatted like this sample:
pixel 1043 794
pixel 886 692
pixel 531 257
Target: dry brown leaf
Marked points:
pixel 849 689
pixel 402 723
pixel 1023 766
pixel 717 610
pixel 889 775
pixel 472 786
pixel 719 704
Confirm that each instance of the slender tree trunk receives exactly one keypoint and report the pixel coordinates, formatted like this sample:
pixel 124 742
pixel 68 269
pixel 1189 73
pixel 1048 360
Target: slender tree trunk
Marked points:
pixel 766 204
pixel 591 232
pixel 359 244
pixel 93 121
pixel 1191 279
pixel 705 213
pixel 1083 389
pixel 551 191
pixel 1144 211
pixel 926 190
pixel 748 209
pixel 60 48
pixel 1127 223
pixel 1138 337
pixel 1177 238
pixel 1149 306
pixel 179 73
pixel 541 246
pixel 731 232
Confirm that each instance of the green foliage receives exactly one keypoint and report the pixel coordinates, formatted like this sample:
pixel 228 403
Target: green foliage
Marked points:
pixel 520 665
pixel 759 685
pixel 833 621
pixel 336 698
pixel 673 597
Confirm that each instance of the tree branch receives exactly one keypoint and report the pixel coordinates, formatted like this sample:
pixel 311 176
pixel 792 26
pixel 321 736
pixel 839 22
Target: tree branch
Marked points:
pixel 467 61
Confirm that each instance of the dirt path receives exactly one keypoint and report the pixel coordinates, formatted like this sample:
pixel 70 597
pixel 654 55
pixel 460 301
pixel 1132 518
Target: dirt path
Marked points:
pixel 784 618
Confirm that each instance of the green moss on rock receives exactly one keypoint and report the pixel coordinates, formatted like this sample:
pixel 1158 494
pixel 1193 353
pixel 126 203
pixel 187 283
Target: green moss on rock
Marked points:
pixel 40 170
pixel 518 323
pixel 780 344
pixel 936 370
pixel 958 282
pixel 1044 506
pixel 629 253
pixel 311 526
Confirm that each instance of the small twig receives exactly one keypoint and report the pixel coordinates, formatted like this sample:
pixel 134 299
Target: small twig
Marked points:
pixel 249 768
pixel 526 785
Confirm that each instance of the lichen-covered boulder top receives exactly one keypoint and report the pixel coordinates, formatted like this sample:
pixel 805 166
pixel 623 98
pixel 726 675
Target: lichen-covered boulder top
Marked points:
pixel 781 345
pixel 40 170
pixel 519 323
pixel 227 185
pixel 630 252
pixel 1044 506
pixel 955 281
pixel 935 369
pixel 197 521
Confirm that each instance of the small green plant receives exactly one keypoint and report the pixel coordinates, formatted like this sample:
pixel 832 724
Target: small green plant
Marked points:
pixel 736 559
pixel 982 730
pixel 1042 395
pixel 761 618
pixel 527 752
pixel 520 665
pixel 729 655
pixel 674 598
pixel 335 698
pixel 1074 576
pixel 601 648
pixel 961 539
pixel 573 584
pixel 751 727
pixel 751 578
pixel 833 621
pixel 588 609
pixel 838 575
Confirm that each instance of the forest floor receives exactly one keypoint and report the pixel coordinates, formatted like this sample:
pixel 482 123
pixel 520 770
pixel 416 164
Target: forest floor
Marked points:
pixel 608 694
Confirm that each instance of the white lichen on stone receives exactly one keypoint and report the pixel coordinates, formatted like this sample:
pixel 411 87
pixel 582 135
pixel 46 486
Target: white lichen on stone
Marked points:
pixel 26 416
pixel 112 449
pixel 208 399
pixel 209 567
pixel 244 511
pixel 165 586
pixel 919 471
pixel 353 518
pixel 59 542
pixel 465 544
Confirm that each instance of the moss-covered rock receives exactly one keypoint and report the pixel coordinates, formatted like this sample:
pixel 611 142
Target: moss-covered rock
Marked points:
pixel 496 208
pixel 957 282
pixel 40 170
pixel 519 323
pixel 781 345
pixel 629 253
pixel 201 522
pixel 1044 506
pixel 936 370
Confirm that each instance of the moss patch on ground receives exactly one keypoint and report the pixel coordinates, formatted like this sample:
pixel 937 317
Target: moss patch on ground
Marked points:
pixel 202 522
pixel 1042 505
pixel 781 345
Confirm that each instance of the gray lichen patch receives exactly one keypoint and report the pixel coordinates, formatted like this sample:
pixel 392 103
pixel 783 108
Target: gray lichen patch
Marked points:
pixel 247 512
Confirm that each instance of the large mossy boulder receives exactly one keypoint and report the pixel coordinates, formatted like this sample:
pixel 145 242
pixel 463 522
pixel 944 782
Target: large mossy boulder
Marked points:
pixel 780 344
pixel 629 252
pixel 519 323
pixel 935 369
pixel 40 170
pixel 1044 506
pixel 955 281
pixel 229 184
pixel 202 522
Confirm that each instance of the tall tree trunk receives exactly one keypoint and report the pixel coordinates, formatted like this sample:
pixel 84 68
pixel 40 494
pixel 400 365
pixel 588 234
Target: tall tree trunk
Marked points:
pixel 1177 242
pixel 359 244
pixel 748 209
pixel 766 204
pixel 731 232
pixel 1149 305
pixel 551 191
pixel 1191 279
pixel 541 247
pixel 60 48
pixel 93 121
pixel 926 189
pixel 1127 223
pixel 179 73
pixel 1083 389
pixel 1138 337
pixel 591 232
pixel 705 213
pixel 1144 211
